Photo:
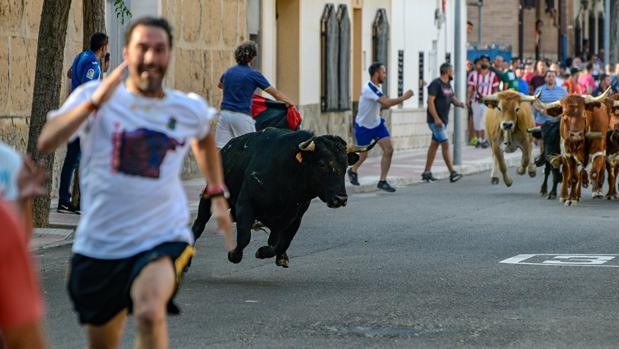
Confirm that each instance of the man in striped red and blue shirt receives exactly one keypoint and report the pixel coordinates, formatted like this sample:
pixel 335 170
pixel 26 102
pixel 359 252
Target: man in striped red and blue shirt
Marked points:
pixel 483 82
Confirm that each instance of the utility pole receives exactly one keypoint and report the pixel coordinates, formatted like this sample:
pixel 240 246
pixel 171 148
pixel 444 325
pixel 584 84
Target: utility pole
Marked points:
pixel 480 4
pixel 607 31
pixel 460 78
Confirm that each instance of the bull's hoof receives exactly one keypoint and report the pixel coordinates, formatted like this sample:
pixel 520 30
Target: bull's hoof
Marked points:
pixel 552 196
pixel 562 199
pixel 235 257
pixel 570 202
pixel 611 197
pixel 532 173
pixel 265 252
pixel 282 261
pixel 597 195
pixel 520 170
pixel 508 181
pixel 494 180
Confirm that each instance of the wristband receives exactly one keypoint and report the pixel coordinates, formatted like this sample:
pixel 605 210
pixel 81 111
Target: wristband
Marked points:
pixel 215 189
pixel 91 105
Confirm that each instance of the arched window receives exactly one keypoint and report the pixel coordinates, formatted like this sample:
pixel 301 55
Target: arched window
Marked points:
pixel 380 42
pixel 335 58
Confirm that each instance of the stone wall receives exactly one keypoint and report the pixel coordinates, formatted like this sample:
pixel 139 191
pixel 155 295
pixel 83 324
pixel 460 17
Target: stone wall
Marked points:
pixel 206 34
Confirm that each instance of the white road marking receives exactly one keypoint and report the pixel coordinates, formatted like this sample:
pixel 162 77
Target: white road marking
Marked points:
pixel 574 259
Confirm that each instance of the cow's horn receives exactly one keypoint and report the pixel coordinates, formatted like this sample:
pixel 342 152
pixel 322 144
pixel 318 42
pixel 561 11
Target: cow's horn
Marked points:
pixel 360 149
pixel 552 105
pixel 491 98
pixel 534 129
pixel 591 99
pixel 308 145
pixel 593 135
pixel 527 98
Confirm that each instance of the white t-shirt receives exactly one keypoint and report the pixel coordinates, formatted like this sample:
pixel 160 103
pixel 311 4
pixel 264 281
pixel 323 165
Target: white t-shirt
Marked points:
pixel 368 115
pixel 132 197
pixel 10 164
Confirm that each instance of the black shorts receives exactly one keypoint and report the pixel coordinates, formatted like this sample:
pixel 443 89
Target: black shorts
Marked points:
pixel 100 288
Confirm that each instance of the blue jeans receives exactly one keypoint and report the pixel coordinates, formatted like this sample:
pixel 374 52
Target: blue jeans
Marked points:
pixel 69 165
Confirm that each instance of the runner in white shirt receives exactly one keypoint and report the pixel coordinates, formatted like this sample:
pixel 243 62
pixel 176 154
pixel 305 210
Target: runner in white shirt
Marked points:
pixel 133 233
pixel 369 126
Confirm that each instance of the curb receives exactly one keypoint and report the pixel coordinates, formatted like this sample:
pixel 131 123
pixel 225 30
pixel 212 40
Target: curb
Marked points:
pixel 511 160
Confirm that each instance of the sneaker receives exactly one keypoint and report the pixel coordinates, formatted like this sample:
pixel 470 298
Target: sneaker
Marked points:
pixel 485 144
pixel 67 208
pixel 427 176
pixel 353 177
pixel 383 185
pixel 454 176
pixel 473 141
pixel 477 144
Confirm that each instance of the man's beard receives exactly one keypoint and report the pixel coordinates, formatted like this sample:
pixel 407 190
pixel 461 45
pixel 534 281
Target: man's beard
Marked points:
pixel 151 83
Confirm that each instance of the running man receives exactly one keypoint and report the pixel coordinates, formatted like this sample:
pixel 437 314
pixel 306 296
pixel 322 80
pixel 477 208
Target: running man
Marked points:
pixel 440 98
pixel 239 83
pixel 133 241
pixel 370 126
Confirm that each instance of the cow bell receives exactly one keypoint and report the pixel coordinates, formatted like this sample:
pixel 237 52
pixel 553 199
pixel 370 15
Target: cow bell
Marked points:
pixel 593 135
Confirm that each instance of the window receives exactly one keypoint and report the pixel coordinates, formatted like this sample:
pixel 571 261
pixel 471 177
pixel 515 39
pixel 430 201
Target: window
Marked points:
pixel 335 57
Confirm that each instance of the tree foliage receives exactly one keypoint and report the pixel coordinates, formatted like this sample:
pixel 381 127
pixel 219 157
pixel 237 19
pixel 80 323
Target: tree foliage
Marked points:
pixel 122 11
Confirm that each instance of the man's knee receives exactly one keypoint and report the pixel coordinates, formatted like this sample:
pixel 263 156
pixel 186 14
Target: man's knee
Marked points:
pixel 149 315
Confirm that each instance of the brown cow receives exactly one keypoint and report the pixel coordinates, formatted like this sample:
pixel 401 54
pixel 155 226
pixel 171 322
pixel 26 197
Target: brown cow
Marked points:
pixel 584 123
pixel 507 120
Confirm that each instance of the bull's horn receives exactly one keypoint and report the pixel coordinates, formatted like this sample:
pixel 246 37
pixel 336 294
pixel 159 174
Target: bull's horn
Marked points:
pixel 527 98
pixel 591 99
pixel 552 105
pixel 534 129
pixel 360 149
pixel 593 135
pixel 491 98
pixel 308 145
pixel 616 104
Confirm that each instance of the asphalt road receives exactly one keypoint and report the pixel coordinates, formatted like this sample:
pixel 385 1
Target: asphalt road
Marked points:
pixel 418 268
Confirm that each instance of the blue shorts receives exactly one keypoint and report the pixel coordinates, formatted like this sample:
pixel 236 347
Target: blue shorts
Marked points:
pixel 439 134
pixel 365 135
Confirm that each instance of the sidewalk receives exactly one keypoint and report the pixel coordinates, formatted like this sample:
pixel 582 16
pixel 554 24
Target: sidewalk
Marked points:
pixel 406 169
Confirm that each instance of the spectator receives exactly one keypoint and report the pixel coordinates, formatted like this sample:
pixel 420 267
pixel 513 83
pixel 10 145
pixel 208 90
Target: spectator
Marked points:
pixel 571 83
pixel 481 83
pixel 538 78
pixel 603 86
pixel 548 93
pixel 239 83
pixel 523 87
pixel 85 68
pixel 555 67
pixel 586 80
pixel 470 132
pixel 615 78
pixel 529 72
pixel 440 98
pixel 369 126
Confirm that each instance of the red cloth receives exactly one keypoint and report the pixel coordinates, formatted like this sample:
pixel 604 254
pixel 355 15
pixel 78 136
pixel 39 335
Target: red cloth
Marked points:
pixel 20 295
pixel 258 105
pixel 294 118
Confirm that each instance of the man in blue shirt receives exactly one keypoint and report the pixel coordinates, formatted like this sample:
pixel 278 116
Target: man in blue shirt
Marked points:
pixel 239 84
pixel 85 68
pixel 548 93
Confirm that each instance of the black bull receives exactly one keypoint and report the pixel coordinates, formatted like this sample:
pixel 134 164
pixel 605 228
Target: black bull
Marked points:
pixel 272 176
pixel 549 133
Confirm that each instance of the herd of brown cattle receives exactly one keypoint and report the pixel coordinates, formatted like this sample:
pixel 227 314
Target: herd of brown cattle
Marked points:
pixel 589 140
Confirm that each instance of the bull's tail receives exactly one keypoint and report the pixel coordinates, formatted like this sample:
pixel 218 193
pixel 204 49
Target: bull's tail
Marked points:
pixel 555 160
